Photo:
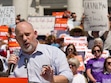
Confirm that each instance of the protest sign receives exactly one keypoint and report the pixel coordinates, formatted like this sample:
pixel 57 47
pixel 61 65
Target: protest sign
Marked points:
pixel 43 24
pixel 79 42
pixel 96 15
pixel 7 15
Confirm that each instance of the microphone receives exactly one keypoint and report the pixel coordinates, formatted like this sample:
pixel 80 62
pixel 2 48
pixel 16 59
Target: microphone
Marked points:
pixel 12 65
pixel 26 63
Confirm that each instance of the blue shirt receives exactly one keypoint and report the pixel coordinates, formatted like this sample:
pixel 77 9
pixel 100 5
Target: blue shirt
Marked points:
pixel 43 55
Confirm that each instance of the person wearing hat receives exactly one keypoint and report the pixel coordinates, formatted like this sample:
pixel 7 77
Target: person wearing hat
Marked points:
pixel 74 64
pixel 77 31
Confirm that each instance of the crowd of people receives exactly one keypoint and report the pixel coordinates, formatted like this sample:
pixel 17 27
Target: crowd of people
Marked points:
pixel 53 61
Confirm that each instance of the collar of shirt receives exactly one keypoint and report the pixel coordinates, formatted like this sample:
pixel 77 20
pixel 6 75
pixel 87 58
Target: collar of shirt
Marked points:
pixel 37 50
pixel 106 72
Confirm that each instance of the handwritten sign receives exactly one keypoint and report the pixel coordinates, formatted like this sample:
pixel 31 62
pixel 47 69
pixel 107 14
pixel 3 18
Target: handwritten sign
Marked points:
pixel 7 15
pixel 42 24
pixel 96 15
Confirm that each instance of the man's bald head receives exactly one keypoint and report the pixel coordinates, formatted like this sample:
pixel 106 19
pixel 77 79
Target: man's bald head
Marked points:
pixel 22 25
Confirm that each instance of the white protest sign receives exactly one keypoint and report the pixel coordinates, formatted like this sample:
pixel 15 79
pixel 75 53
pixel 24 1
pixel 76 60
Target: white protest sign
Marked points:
pixel 96 15
pixel 7 15
pixel 42 24
pixel 79 42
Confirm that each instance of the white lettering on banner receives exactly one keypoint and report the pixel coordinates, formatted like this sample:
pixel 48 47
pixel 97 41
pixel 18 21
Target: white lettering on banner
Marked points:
pixel 60 25
pixel 3 33
pixel 7 15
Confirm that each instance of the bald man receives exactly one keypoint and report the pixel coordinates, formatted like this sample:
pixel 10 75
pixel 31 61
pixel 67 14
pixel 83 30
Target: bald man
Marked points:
pixel 44 62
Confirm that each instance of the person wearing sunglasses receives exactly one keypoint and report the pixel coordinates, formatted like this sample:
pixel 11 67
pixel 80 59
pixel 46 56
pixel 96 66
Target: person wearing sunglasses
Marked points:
pixel 78 77
pixel 105 76
pixel 70 49
pixel 95 65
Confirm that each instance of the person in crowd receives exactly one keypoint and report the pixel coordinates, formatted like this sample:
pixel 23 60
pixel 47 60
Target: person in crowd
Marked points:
pixel 72 22
pixel 91 35
pixel 70 49
pixel 99 41
pixel 60 41
pixel 77 31
pixel 51 40
pixel 71 52
pixel 43 61
pixel 95 65
pixel 3 57
pixel 3 67
pixel 105 75
pixel 107 42
pixel 66 14
pixel 3 48
pixel 74 64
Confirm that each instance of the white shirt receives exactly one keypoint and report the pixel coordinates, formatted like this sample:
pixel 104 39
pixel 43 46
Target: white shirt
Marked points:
pixel 43 55
pixel 71 24
pixel 79 78
pixel 107 43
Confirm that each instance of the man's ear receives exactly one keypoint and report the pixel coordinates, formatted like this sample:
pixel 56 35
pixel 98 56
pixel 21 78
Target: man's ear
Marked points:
pixel 35 32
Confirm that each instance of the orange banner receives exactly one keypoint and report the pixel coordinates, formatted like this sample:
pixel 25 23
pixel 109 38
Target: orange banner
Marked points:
pixel 13 80
pixel 57 14
pixel 60 24
pixel 3 32
pixel 13 44
pixel 3 28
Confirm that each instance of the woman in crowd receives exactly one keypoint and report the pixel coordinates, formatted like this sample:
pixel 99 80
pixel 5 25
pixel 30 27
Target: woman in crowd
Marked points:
pixel 105 76
pixel 95 65
pixel 74 64
pixel 99 41
pixel 70 51
pixel 51 40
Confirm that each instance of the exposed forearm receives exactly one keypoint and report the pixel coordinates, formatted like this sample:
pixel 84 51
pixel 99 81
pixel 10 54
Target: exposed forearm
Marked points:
pixel 59 79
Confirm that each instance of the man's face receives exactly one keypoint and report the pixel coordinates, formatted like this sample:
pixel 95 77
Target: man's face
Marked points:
pixel 26 37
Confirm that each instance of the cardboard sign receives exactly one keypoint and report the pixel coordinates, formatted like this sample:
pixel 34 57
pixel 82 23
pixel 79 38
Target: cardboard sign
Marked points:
pixel 42 24
pixel 79 42
pixel 7 15
pixel 96 15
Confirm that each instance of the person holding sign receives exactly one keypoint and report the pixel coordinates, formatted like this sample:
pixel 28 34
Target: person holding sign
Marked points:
pixel 72 22
pixel 40 63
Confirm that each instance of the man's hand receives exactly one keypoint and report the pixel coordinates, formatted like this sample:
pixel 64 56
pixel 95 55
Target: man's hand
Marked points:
pixel 13 59
pixel 47 73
